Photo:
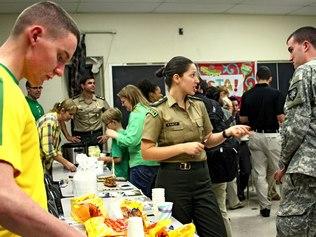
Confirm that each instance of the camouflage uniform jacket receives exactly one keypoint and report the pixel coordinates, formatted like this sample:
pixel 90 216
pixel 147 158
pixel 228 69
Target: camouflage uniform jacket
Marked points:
pixel 299 129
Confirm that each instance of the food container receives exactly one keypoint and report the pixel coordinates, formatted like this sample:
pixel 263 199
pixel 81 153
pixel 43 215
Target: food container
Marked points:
pixel 70 151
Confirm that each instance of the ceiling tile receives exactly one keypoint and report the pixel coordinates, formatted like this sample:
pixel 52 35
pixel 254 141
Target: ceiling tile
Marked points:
pixel 192 8
pixel 121 1
pixel 203 1
pixel 309 10
pixel 13 7
pixel 277 7
pixel 262 9
pixel 278 2
pixel 87 7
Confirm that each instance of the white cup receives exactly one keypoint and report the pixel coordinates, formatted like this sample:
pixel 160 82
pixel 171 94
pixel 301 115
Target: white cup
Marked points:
pixel 158 194
pixel 164 210
pixel 100 167
pixel 135 227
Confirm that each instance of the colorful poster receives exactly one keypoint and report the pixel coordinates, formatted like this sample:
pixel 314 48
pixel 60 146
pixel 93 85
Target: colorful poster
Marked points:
pixel 237 77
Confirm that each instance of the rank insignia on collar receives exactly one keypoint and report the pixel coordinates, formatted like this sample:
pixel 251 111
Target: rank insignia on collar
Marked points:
pixel 292 94
pixel 153 112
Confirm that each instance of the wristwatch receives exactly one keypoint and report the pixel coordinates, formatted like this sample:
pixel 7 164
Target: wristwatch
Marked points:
pixel 225 135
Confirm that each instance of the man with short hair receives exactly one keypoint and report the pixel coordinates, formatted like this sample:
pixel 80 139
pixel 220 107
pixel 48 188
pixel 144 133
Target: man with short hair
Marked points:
pixel 43 39
pixel 87 120
pixel 262 108
pixel 33 94
pixel 297 210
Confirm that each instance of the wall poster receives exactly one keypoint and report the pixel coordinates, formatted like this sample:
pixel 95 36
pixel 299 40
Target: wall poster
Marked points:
pixel 236 76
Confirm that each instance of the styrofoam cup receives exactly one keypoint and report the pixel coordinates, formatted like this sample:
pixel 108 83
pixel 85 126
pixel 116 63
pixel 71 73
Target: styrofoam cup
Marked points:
pixel 164 210
pixel 135 227
pixel 100 167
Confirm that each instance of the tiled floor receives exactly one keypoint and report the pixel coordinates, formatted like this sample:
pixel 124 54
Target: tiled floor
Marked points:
pixel 247 221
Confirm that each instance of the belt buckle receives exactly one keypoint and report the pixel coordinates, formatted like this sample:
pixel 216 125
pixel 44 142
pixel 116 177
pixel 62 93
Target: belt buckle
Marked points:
pixel 185 166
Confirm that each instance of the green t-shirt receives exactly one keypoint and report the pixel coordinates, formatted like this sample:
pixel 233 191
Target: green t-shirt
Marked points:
pixel 36 108
pixel 122 168
pixel 133 136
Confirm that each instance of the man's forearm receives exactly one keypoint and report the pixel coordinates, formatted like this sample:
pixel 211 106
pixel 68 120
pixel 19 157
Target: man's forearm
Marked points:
pixel 17 217
pixel 21 215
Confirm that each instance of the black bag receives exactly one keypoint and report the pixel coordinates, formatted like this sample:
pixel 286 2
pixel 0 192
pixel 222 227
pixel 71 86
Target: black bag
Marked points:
pixel 223 159
pixel 54 196
pixel 222 163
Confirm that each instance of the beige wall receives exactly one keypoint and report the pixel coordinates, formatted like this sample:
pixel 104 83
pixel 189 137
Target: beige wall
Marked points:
pixel 145 38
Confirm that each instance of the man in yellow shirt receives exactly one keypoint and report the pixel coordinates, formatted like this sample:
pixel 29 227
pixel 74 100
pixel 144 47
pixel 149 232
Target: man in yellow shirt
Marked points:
pixel 41 42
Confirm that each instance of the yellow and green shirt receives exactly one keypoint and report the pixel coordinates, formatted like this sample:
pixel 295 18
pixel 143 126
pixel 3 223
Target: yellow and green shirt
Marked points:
pixel 19 143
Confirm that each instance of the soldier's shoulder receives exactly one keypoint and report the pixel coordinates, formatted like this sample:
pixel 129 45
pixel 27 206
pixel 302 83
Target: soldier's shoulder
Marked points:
pixel 152 111
pixel 196 100
pixel 194 97
pixel 100 97
pixel 75 97
pixel 159 102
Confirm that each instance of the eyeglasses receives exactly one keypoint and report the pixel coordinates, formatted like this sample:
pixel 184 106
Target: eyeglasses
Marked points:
pixel 36 87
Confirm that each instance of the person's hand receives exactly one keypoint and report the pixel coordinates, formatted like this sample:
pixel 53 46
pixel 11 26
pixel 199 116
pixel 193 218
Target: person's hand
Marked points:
pixel 102 139
pixel 106 159
pixel 193 148
pixel 70 166
pixel 238 131
pixel 278 175
pixel 111 133
pixel 73 139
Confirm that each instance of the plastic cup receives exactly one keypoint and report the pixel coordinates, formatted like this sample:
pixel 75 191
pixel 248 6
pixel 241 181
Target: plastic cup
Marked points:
pixel 135 227
pixel 164 210
pixel 158 194
pixel 100 167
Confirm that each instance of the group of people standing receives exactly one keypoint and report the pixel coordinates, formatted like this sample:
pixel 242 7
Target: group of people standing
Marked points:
pixel 167 138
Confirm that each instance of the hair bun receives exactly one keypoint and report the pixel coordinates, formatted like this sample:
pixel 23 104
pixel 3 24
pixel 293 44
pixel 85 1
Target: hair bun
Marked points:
pixel 160 72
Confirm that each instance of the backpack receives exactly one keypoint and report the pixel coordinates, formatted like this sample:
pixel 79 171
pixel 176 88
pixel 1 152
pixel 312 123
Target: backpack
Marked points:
pixel 223 159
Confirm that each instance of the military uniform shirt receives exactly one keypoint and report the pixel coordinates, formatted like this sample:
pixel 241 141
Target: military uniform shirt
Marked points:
pixel 168 124
pixel 88 116
pixel 299 129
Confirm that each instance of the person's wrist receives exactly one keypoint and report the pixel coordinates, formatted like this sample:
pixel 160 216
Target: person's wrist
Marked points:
pixel 281 165
pixel 225 134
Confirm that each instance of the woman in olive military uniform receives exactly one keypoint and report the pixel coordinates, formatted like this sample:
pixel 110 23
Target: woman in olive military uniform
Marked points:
pixel 175 132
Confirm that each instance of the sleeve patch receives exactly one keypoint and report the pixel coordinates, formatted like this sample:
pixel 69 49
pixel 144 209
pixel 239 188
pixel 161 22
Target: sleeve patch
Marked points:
pixel 292 94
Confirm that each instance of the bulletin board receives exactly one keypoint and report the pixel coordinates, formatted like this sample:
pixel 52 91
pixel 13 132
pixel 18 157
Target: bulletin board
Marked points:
pixel 237 76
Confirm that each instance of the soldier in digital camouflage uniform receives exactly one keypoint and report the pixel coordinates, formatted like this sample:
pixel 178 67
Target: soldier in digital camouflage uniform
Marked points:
pixel 297 214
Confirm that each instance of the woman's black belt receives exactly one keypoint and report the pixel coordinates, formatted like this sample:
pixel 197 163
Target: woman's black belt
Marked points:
pixel 183 165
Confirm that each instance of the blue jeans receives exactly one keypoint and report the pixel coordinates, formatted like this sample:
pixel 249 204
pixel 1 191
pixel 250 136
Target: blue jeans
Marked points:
pixel 143 177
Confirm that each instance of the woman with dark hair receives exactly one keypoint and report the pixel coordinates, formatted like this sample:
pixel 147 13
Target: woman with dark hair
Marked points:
pixel 142 172
pixel 175 132
pixel 151 91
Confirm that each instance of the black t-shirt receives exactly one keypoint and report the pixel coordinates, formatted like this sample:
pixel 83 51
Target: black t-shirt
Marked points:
pixel 261 105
